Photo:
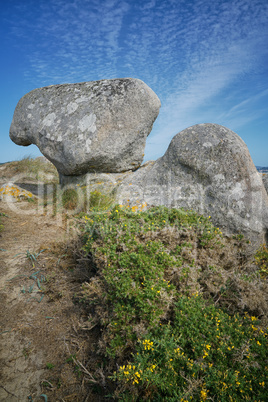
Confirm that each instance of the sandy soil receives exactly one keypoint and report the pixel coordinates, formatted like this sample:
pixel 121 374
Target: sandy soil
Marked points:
pixel 41 328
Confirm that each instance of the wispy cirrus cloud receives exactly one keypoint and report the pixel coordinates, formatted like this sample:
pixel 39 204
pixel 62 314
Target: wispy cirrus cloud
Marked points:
pixel 79 35
pixel 219 52
pixel 198 56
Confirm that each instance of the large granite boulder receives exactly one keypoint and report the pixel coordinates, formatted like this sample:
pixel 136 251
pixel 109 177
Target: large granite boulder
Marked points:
pixel 208 168
pixel 98 126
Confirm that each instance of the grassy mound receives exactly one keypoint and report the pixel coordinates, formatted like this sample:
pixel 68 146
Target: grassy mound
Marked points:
pixel 34 169
pixel 181 310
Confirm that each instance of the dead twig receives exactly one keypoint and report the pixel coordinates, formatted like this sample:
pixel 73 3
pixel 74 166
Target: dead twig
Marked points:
pixel 78 363
pixel 47 382
pixel 10 393
pixel 85 371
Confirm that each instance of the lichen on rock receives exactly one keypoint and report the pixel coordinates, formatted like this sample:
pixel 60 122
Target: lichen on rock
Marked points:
pixel 10 192
pixel 98 126
pixel 208 168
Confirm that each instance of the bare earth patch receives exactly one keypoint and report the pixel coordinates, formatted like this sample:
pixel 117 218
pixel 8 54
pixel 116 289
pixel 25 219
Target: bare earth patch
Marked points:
pixel 42 345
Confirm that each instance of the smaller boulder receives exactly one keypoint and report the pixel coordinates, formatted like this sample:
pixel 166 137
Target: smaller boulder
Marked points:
pixel 206 168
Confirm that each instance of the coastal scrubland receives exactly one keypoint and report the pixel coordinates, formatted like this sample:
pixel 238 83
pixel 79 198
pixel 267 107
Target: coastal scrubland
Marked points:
pixel 153 304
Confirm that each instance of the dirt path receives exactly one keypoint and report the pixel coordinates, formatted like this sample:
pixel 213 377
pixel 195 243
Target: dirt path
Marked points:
pixel 39 323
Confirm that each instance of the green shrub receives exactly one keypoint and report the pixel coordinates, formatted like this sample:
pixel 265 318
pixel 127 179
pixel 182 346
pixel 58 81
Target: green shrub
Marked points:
pixel 203 353
pixel 79 199
pixel 166 289
pixel 70 199
pixel 100 201
pixel 261 258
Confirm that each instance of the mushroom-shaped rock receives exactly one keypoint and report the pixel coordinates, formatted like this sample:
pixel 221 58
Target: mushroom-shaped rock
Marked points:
pixel 97 126
pixel 207 168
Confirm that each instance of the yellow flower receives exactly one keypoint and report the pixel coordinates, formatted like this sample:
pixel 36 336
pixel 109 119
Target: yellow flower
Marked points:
pixel 203 395
pixel 147 344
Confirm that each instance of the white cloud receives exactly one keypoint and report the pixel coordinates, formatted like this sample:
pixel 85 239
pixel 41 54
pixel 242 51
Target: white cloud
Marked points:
pixel 195 55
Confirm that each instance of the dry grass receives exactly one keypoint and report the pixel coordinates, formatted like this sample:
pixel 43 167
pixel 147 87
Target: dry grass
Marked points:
pixel 32 169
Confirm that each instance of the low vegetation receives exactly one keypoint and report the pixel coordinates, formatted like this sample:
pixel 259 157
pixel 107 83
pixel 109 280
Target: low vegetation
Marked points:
pixel 77 199
pixel 1 225
pixel 181 309
pixel 35 169
pixel 178 310
pixel 261 258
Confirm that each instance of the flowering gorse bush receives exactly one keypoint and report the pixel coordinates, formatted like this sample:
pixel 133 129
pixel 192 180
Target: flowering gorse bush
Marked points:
pixel 203 353
pixel 162 293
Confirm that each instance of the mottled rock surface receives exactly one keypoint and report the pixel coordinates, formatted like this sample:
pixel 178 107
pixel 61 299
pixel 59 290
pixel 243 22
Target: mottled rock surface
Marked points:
pixel 98 126
pixel 208 168
pixel 265 181
pixel 10 192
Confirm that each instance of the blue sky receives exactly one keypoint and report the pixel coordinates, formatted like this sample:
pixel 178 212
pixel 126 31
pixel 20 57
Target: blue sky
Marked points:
pixel 207 60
